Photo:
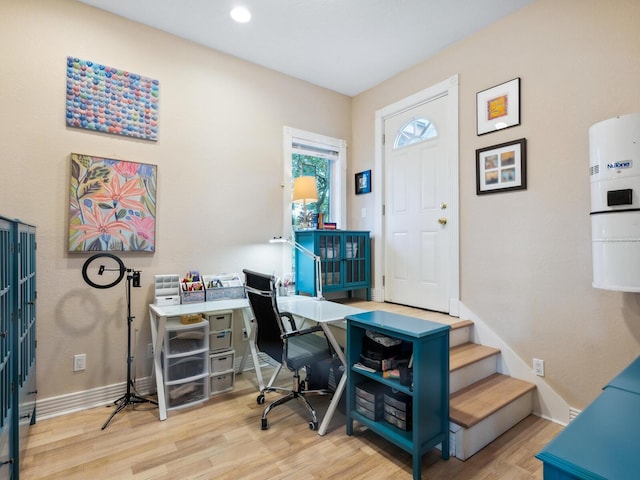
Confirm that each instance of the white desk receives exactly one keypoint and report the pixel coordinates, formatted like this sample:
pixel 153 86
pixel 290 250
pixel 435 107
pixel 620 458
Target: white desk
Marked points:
pixel 321 311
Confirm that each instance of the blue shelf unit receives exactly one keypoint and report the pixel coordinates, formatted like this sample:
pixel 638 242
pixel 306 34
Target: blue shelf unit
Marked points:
pixel 428 393
pixel 345 261
pixel 17 342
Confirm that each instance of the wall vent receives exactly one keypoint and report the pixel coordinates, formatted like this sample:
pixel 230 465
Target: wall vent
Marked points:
pixel 573 413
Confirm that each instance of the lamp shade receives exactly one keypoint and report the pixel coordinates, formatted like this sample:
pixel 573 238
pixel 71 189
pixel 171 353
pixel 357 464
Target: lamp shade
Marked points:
pixel 305 189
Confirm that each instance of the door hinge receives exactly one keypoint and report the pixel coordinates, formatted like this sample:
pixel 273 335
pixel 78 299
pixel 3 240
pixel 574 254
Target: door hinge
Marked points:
pixel 384 210
pixel 384 138
pixel 383 280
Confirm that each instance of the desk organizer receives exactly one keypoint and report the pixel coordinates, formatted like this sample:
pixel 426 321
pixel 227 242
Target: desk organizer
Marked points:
pixel 223 286
pixel 167 289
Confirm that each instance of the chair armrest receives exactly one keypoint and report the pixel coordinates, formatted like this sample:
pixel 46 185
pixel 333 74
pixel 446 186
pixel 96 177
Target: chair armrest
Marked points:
pixel 304 331
pixel 290 318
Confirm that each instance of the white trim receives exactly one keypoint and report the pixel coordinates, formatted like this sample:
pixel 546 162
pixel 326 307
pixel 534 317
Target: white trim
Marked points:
pixel 83 400
pixel 546 401
pixel 338 179
pixel 447 87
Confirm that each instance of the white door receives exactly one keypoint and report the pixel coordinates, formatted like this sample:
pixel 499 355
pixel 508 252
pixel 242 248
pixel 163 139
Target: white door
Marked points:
pixel 420 220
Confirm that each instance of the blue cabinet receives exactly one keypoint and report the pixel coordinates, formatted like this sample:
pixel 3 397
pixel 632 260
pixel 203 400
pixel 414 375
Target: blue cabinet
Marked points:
pixel 602 441
pixel 426 398
pixel 17 341
pixel 345 261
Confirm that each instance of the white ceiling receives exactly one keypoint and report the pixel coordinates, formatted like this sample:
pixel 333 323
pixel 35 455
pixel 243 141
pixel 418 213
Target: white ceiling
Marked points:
pixel 344 45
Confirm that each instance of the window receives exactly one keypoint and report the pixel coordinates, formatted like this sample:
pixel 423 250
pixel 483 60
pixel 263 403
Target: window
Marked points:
pixel 325 157
pixel 415 131
pixel 320 168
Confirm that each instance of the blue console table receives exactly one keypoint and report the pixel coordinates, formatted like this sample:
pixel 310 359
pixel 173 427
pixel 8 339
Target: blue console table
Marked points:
pixel 429 394
pixel 602 442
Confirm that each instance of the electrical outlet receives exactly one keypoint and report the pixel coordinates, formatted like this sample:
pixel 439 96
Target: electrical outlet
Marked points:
pixel 79 362
pixel 538 367
pixel 150 350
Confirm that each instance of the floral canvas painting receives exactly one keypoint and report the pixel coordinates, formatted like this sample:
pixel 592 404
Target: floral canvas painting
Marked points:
pixel 112 205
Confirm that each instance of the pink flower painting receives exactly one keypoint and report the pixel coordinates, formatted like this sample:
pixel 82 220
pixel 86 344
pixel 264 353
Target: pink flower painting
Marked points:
pixel 112 205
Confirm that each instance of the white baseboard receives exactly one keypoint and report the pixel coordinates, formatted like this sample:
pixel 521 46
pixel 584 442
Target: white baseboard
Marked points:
pixel 82 400
pixel 100 396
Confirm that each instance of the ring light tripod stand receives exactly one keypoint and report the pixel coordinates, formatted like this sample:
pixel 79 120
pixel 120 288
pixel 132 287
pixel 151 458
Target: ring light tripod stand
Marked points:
pixel 105 270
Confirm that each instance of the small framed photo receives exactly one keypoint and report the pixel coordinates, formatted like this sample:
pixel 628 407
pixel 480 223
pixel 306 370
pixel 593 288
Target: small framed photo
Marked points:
pixel 502 167
pixel 363 182
pixel 499 107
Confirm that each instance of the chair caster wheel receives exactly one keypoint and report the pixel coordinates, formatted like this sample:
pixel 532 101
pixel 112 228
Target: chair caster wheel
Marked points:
pixel 265 424
pixel 260 399
pixel 313 425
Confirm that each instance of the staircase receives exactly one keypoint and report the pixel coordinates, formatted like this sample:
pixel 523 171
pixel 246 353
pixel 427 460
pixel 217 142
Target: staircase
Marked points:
pixel 483 403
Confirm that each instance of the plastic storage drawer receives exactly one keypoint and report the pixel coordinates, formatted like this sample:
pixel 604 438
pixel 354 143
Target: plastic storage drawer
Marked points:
pixel 185 338
pixel 180 368
pixel 187 393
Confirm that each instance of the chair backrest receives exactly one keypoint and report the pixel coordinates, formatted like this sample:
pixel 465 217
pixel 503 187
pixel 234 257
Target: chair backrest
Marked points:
pixel 261 292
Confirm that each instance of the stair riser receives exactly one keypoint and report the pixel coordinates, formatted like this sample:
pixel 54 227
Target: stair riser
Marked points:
pixel 469 441
pixel 472 373
pixel 458 336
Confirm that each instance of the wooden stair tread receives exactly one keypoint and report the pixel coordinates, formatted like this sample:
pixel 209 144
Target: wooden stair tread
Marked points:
pixel 468 353
pixel 461 324
pixel 476 402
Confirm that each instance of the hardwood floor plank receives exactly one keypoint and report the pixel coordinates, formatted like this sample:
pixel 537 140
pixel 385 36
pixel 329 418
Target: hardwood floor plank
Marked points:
pixel 222 440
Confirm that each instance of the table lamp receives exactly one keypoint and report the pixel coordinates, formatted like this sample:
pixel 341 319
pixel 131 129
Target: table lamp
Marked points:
pixel 305 190
pixel 308 253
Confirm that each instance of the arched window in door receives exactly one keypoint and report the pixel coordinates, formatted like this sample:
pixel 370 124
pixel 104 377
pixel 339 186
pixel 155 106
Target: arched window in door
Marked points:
pixel 415 131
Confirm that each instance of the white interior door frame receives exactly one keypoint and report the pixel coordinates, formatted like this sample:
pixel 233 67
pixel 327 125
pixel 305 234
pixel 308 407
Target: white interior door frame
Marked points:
pixel 447 87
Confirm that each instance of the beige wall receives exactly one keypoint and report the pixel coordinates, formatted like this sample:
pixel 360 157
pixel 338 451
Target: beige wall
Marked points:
pixel 526 256
pixel 219 157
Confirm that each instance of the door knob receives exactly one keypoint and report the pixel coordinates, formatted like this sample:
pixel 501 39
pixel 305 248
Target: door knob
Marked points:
pixel 442 221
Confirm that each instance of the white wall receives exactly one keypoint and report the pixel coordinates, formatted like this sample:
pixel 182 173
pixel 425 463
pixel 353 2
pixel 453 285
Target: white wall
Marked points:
pixel 526 255
pixel 219 158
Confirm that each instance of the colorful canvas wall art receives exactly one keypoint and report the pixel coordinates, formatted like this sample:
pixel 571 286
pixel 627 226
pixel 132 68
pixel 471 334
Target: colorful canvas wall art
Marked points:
pixel 111 100
pixel 112 205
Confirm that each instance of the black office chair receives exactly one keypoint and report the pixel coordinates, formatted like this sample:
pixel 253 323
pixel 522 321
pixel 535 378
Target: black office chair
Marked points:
pixel 278 336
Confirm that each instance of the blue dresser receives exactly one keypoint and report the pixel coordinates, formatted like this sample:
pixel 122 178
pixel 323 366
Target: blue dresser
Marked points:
pixel 603 441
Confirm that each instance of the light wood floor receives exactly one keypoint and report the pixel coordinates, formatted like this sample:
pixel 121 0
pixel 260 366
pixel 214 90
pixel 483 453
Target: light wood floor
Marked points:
pixel 222 439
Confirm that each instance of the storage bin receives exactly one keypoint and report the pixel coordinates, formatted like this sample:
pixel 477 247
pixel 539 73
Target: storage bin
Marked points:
pixel 371 410
pixel 223 286
pixel 221 382
pixel 224 293
pixel 192 296
pixel 219 321
pixel 221 362
pixel 190 319
pixel 401 424
pixel 185 394
pixel 219 341
pixel 371 391
pixel 186 338
pixel 397 410
pixel 179 368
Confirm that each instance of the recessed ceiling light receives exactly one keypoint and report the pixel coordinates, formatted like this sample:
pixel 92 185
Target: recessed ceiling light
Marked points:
pixel 241 14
